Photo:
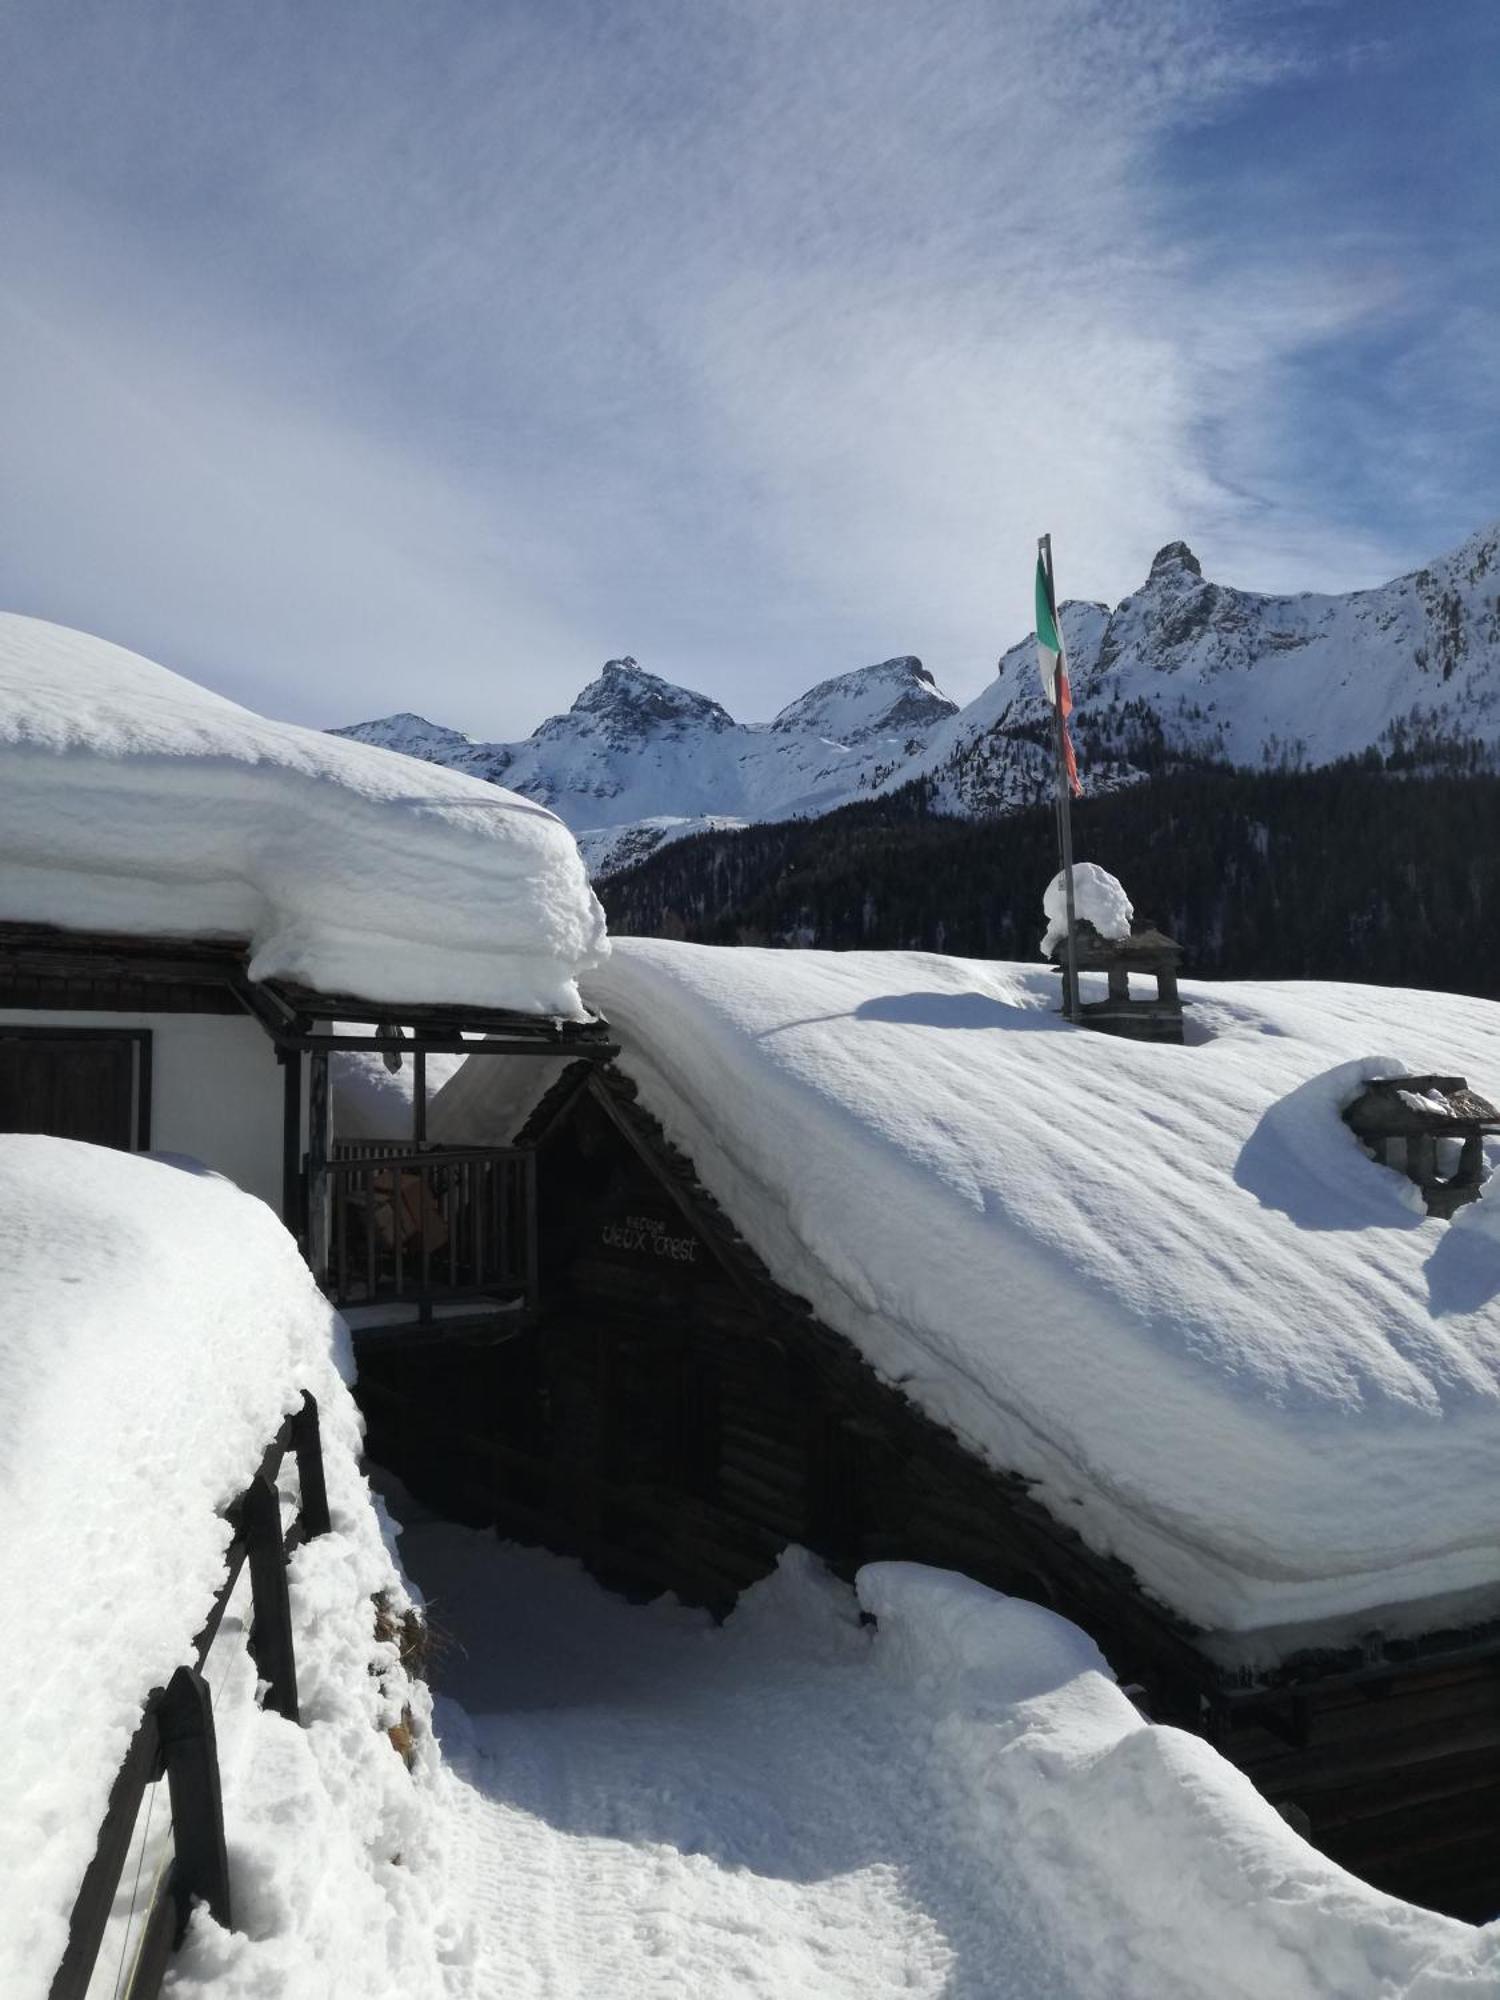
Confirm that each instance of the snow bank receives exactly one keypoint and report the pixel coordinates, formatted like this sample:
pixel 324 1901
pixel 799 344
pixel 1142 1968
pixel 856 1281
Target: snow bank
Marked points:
pixel 1155 1868
pixel 1166 1284
pixel 1098 899
pixel 132 800
pixel 159 1324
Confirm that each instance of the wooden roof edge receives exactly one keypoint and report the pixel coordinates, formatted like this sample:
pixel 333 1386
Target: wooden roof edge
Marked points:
pixel 281 1005
pixel 1149 943
pixel 1466 1105
pixel 556 1029
pixel 142 954
pixel 554 1101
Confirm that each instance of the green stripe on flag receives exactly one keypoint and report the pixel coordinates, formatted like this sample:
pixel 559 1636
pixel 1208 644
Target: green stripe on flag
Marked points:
pixel 1046 629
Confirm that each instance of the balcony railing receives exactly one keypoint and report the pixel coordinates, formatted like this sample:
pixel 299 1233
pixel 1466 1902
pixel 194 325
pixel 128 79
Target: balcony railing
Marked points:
pixel 431 1227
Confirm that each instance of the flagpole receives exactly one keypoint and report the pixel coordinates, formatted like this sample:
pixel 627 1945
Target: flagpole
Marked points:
pixel 1064 792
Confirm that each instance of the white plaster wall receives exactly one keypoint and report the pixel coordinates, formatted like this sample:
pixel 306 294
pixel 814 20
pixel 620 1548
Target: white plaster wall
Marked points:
pixel 215 1088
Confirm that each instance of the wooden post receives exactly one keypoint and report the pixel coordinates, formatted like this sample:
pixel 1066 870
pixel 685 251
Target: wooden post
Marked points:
pixel 96 1894
pixel 293 1212
pixel 307 1443
pixel 201 1869
pixel 158 1942
pixel 319 1191
pixel 1421 1158
pixel 1071 996
pixel 271 1627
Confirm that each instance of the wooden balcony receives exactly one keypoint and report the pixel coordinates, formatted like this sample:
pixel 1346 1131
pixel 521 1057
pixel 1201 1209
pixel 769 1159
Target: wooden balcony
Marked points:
pixel 431 1238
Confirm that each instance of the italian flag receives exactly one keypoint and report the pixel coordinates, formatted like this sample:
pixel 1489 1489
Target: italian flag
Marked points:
pixel 1052 659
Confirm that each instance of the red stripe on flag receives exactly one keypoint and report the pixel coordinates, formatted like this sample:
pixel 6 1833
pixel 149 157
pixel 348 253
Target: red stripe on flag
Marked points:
pixel 1065 703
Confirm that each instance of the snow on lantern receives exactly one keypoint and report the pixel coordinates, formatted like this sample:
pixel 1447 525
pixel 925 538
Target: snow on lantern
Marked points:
pixel 1105 942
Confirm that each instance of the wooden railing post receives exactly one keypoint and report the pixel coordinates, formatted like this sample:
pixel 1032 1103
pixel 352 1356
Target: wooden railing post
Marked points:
pixel 200 1871
pixel 319 1181
pixel 97 1890
pixel 307 1443
pixel 271 1625
pixel 176 1735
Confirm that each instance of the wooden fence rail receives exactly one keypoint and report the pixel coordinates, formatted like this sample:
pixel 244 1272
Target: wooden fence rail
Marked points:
pixel 175 1737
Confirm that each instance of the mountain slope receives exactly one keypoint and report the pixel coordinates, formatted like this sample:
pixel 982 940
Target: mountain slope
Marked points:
pixel 1186 670
pixel 1339 873
pixel 1182 672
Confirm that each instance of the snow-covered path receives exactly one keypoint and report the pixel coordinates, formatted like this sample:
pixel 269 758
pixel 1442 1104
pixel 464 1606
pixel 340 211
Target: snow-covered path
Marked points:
pixel 639 1805
pixel 650 1806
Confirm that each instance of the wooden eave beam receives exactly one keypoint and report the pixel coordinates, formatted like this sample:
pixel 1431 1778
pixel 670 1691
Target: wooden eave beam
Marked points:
pixel 447 1045
pixel 286 1010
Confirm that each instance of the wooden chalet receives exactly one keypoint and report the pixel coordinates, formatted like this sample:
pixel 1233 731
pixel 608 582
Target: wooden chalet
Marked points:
pixel 675 1418
pixel 561 1335
pixel 166 1044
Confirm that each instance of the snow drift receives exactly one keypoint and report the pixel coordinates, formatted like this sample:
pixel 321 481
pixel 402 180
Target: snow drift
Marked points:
pixel 1166 1284
pixel 954 1802
pixel 158 1326
pixel 133 800
pixel 1152 1865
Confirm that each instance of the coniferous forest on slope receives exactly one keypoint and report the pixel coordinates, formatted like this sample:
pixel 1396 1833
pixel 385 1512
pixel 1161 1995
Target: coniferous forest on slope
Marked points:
pixel 1347 872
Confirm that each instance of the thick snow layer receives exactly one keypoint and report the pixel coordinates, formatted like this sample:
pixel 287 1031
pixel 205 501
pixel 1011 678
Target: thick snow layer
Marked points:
pixel 133 800
pixel 373 1101
pixel 489 1098
pixel 1098 899
pixel 1167 1284
pixel 955 1802
pixel 158 1324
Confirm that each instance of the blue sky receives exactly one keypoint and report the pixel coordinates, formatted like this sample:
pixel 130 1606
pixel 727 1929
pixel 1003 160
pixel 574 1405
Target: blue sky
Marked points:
pixel 387 355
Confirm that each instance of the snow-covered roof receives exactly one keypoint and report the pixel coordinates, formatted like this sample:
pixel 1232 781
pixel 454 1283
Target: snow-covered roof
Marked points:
pixel 132 800
pixel 1165 1283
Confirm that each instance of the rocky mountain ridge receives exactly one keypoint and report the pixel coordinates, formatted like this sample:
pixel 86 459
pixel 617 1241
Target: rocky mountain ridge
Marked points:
pixel 1184 671
pixel 637 760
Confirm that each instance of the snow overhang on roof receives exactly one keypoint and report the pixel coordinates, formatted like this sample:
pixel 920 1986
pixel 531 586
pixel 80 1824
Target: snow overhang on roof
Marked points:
pixel 42 966
pixel 133 801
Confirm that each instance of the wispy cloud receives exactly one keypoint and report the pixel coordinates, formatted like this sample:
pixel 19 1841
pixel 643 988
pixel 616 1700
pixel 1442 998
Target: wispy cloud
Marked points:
pixel 356 358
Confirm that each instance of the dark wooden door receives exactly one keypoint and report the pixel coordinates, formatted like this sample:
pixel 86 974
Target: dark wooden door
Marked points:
pixel 74 1086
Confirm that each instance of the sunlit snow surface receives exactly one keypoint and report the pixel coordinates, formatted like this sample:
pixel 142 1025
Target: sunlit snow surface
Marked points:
pixel 1167 1283
pixel 952 1801
pixel 157 1326
pixel 955 1803
pixel 133 800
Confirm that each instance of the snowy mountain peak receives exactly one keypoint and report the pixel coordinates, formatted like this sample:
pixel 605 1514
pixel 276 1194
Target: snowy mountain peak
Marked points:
pixel 636 702
pixel 1183 669
pixel 410 733
pixel 1176 556
pixel 896 698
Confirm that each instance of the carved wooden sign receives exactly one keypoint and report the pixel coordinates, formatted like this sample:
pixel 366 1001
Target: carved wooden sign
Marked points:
pixel 641 1236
